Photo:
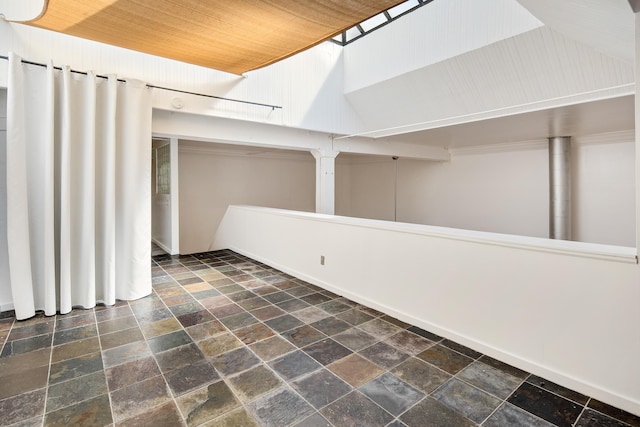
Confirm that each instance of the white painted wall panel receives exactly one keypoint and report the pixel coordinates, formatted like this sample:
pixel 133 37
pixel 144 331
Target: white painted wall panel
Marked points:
pixel 604 190
pixel 436 32
pixel 211 181
pixel 533 303
pixel 504 192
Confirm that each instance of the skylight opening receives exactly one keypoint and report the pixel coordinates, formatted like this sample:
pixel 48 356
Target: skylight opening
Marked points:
pixel 377 21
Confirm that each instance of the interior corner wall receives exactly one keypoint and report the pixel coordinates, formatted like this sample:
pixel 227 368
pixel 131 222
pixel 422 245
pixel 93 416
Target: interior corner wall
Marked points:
pixel 343 186
pixel 603 190
pixel 370 187
pixel 210 181
pixel 6 300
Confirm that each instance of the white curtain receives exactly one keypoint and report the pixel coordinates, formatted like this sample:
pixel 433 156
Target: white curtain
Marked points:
pixel 78 189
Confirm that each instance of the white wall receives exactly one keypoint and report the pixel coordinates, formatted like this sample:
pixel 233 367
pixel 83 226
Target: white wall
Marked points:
pixel 369 188
pixel 502 192
pixel 6 300
pixel 212 177
pixel 566 311
pixel 504 189
pixel 603 189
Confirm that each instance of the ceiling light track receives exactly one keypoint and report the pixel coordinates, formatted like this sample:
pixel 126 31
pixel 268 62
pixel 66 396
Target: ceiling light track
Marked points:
pixel 258 104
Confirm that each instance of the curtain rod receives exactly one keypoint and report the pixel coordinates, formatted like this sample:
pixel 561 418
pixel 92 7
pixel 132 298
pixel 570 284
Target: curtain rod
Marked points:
pixel 273 107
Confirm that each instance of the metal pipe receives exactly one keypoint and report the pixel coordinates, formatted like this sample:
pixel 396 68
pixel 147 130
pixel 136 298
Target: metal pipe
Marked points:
pixel 395 188
pixel 560 188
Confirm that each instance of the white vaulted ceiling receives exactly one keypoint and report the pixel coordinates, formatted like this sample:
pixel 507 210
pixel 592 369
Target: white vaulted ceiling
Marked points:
pixel 572 74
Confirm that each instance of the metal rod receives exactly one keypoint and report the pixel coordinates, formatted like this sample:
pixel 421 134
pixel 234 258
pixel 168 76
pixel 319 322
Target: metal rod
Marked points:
pixel 273 107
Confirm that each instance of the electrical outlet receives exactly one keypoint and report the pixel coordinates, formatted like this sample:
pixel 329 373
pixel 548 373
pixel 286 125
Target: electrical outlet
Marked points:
pixel 321 259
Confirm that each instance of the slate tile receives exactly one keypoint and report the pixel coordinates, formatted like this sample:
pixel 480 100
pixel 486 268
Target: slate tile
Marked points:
pixel 355 339
pixel 423 376
pixel 207 403
pixel 509 415
pixel 219 344
pixel 558 389
pixel 26 345
pixel 303 335
pixel 235 418
pixel 384 355
pixel 131 372
pixel 489 379
pixel 92 412
pixel 280 409
pixel 116 339
pixel 205 330
pixel 379 328
pixel 355 369
pixel 190 377
pixel 470 401
pixel 310 314
pixel 255 382
pixel 250 334
pixel 76 390
pixel 445 358
pixel 234 361
pixel 195 318
pixel 409 342
pixel 321 388
pixel 294 365
pixel 283 323
pixel 73 368
pixel 22 406
pixel 548 406
pixel 166 415
pixel 331 325
pixel 327 351
pixel 271 348
pixel 177 357
pixel 430 412
pixel 118 324
pixel 167 341
pixel 137 398
pixel 391 393
pixel 30 331
pixel 356 410
pixel 613 412
pixel 125 353
pixel 268 312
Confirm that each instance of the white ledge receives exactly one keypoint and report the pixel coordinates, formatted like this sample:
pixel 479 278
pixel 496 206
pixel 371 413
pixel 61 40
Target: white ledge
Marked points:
pixel 563 247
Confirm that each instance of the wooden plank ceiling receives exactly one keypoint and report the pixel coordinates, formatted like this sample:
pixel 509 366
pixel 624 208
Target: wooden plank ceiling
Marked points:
pixel 235 36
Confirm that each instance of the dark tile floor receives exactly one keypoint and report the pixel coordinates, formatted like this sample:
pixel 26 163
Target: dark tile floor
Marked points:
pixel 227 341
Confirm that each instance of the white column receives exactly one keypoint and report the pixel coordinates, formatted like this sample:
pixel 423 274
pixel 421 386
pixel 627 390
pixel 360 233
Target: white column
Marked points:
pixel 325 180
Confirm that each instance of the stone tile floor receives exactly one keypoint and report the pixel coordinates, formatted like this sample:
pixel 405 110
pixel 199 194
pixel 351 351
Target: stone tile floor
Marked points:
pixel 227 341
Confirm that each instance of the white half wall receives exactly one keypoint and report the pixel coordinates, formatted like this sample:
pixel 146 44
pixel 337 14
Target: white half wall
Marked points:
pixel 212 177
pixel 565 311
